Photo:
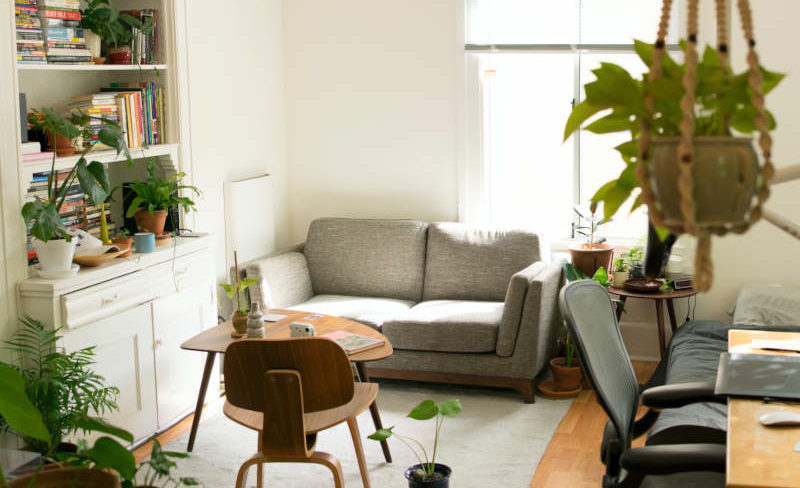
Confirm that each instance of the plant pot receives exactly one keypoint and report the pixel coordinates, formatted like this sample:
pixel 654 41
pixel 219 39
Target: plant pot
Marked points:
pixel 239 324
pixel 92 42
pixel 63 146
pixel 124 242
pixel 589 259
pixel 147 222
pixel 120 55
pixel 443 482
pixel 620 277
pixel 725 173
pixel 68 478
pixel 564 378
pixel 55 254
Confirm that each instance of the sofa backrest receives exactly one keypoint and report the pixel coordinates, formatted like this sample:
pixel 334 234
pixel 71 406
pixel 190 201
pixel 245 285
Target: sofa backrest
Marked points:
pixel 364 257
pixel 466 262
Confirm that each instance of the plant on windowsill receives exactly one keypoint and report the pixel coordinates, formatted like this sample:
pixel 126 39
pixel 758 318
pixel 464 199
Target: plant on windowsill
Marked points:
pixel 153 198
pixel 594 253
pixel 51 240
pixel 428 473
pixel 721 177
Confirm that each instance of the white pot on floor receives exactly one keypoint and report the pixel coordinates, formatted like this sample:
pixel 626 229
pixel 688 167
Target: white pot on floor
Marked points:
pixel 55 254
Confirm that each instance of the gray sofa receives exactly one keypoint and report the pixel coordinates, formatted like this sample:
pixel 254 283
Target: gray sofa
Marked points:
pixel 459 304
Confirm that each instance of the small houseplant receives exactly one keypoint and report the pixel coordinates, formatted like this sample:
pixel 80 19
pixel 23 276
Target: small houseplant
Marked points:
pixel 621 271
pixel 112 27
pixel 594 253
pixel 154 196
pixel 53 244
pixel 156 471
pixel 428 473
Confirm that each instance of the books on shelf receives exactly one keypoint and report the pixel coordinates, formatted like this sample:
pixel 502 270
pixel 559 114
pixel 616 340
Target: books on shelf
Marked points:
pixel 353 343
pixel 64 40
pixel 30 43
pixel 141 112
pixel 144 46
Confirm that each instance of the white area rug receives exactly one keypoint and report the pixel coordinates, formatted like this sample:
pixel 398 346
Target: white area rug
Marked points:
pixel 497 441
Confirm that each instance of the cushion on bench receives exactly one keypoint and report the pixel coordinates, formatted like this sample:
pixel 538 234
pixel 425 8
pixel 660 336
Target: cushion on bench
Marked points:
pixel 446 326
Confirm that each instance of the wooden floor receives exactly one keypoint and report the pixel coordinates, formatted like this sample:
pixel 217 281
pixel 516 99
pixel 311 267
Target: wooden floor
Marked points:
pixel 573 457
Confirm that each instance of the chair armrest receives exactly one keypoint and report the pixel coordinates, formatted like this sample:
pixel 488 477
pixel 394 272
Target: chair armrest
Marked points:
pixel 681 394
pixel 675 458
pixel 284 280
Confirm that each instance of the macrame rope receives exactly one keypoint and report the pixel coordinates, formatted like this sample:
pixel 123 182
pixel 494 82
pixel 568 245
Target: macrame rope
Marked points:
pixel 722 32
pixel 687 126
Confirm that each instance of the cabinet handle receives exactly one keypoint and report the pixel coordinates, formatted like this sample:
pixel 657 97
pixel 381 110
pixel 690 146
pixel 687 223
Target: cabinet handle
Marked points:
pixel 108 301
pixel 156 343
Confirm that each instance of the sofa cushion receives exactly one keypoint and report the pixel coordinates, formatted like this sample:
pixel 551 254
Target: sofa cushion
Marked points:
pixel 358 257
pixel 471 263
pixel 283 280
pixel 368 311
pixel 446 326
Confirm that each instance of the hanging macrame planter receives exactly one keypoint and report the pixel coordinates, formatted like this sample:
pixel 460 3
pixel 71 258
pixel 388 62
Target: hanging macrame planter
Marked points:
pixel 711 184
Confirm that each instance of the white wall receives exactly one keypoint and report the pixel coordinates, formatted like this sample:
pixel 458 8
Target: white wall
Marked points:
pixel 371 100
pixel 237 111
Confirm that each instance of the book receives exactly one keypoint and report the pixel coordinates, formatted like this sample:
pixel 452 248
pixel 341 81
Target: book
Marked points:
pixel 353 343
pixel 30 147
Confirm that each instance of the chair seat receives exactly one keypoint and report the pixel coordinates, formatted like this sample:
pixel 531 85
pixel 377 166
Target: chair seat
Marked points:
pixel 363 397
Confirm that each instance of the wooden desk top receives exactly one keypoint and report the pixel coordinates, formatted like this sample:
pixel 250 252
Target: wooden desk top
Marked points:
pixel 661 295
pixel 759 456
pixel 217 339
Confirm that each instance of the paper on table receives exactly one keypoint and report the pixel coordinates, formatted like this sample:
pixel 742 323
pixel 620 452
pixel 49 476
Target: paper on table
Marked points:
pixel 775 345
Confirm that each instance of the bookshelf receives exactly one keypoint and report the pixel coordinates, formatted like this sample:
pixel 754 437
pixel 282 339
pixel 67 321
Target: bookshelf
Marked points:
pixel 96 67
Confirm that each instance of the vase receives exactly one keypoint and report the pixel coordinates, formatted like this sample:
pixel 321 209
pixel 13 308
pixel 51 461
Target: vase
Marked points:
pixel 565 378
pixel 589 259
pixel 147 222
pixel 440 482
pixel 239 324
pixel 55 254
pixel 67 478
pixel 725 173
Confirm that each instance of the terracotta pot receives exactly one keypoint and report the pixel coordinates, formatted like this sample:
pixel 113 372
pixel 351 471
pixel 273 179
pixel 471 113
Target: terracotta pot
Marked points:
pixel 124 242
pixel 442 482
pixel 147 222
pixel 121 55
pixel 565 379
pixel 588 260
pixel 63 145
pixel 239 324
pixel 67 478
pixel 725 174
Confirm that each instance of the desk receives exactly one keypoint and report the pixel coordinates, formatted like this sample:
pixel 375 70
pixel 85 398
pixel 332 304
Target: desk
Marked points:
pixel 659 298
pixel 758 456
pixel 215 340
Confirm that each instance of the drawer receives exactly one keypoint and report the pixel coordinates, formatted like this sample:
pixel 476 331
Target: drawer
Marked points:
pixel 106 299
pixel 183 272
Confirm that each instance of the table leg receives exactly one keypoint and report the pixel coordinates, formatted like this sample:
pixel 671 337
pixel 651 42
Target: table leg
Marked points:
pixel 198 410
pixel 671 309
pixel 373 410
pixel 660 319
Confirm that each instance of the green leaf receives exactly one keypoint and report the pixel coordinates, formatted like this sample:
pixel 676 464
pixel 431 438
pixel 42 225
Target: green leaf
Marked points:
pixel 450 408
pixel 601 276
pixel 94 180
pixel 613 122
pixel 108 453
pixel 662 233
pixel 96 424
pixel 614 87
pixel 572 273
pixel 579 114
pixel 424 411
pixel 613 195
pixel 628 150
pixel 245 283
pixel 637 202
pixel 16 408
pixel 229 291
pixel 46 220
pixel 381 434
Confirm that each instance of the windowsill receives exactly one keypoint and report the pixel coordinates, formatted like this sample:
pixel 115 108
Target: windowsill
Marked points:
pixel 562 245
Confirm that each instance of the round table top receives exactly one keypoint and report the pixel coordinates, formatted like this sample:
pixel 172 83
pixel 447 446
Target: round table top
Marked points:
pixel 659 295
pixel 217 339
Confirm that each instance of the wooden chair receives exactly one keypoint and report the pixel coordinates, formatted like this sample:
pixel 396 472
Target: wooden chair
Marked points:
pixel 288 390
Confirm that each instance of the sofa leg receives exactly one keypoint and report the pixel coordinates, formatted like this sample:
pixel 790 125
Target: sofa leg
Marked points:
pixel 527 388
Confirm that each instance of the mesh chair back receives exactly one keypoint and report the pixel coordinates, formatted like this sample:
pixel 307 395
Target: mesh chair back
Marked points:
pixel 325 371
pixel 590 317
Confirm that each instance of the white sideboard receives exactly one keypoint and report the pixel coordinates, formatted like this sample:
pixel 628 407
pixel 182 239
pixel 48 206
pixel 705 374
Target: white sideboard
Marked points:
pixel 136 312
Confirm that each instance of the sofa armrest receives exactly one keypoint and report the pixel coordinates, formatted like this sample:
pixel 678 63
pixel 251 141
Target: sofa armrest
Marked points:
pixel 512 308
pixel 284 280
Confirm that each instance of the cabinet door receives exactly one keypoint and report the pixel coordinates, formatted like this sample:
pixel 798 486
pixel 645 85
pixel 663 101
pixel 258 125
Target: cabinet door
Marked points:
pixel 176 318
pixel 124 354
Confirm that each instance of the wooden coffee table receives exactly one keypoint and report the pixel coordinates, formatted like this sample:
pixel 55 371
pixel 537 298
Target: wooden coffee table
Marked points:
pixel 217 339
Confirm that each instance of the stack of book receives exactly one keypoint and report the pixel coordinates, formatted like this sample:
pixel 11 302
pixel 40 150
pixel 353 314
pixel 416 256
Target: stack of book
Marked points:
pixel 92 218
pixel 144 46
pixel 141 110
pixel 30 43
pixel 64 39
pixel 32 151
pixel 98 106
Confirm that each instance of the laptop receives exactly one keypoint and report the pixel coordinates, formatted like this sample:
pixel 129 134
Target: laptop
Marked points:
pixel 758 375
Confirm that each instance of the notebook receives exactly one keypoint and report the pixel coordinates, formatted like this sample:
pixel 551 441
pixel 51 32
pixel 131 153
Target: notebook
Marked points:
pixel 353 343
pixel 758 375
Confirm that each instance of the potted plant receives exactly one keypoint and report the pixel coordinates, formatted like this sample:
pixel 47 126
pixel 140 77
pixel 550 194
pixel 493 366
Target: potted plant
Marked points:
pixel 52 242
pixel 428 473
pixel 621 271
pixel 722 169
pixel 566 370
pixel 594 253
pixel 242 307
pixel 154 196
pixel 123 239
pixel 114 28
pixel 155 472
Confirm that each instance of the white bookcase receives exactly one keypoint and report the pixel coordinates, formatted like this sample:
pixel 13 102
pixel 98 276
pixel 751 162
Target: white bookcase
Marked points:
pixel 136 311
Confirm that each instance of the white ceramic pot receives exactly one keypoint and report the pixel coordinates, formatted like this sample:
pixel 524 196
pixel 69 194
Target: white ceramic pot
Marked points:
pixel 620 277
pixel 92 42
pixel 55 254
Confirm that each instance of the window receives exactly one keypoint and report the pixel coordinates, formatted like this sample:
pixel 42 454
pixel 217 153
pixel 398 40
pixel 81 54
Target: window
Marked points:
pixel 527 62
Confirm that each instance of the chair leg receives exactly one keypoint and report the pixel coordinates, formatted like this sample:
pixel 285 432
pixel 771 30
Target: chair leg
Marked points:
pixel 260 466
pixel 332 463
pixel 352 422
pixel 241 478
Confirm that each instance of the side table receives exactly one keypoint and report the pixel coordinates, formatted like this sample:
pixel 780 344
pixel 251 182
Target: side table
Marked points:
pixel 659 298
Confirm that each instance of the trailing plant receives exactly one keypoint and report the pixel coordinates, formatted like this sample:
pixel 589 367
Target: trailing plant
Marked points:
pixel 234 293
pixel 424 411
pixel 115 28
pixel 156 193
pixel 722 108
pixel 62 385
pixel 43 214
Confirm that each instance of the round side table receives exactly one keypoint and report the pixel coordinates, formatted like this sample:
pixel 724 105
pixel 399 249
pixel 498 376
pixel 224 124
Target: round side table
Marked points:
pixel 659 298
